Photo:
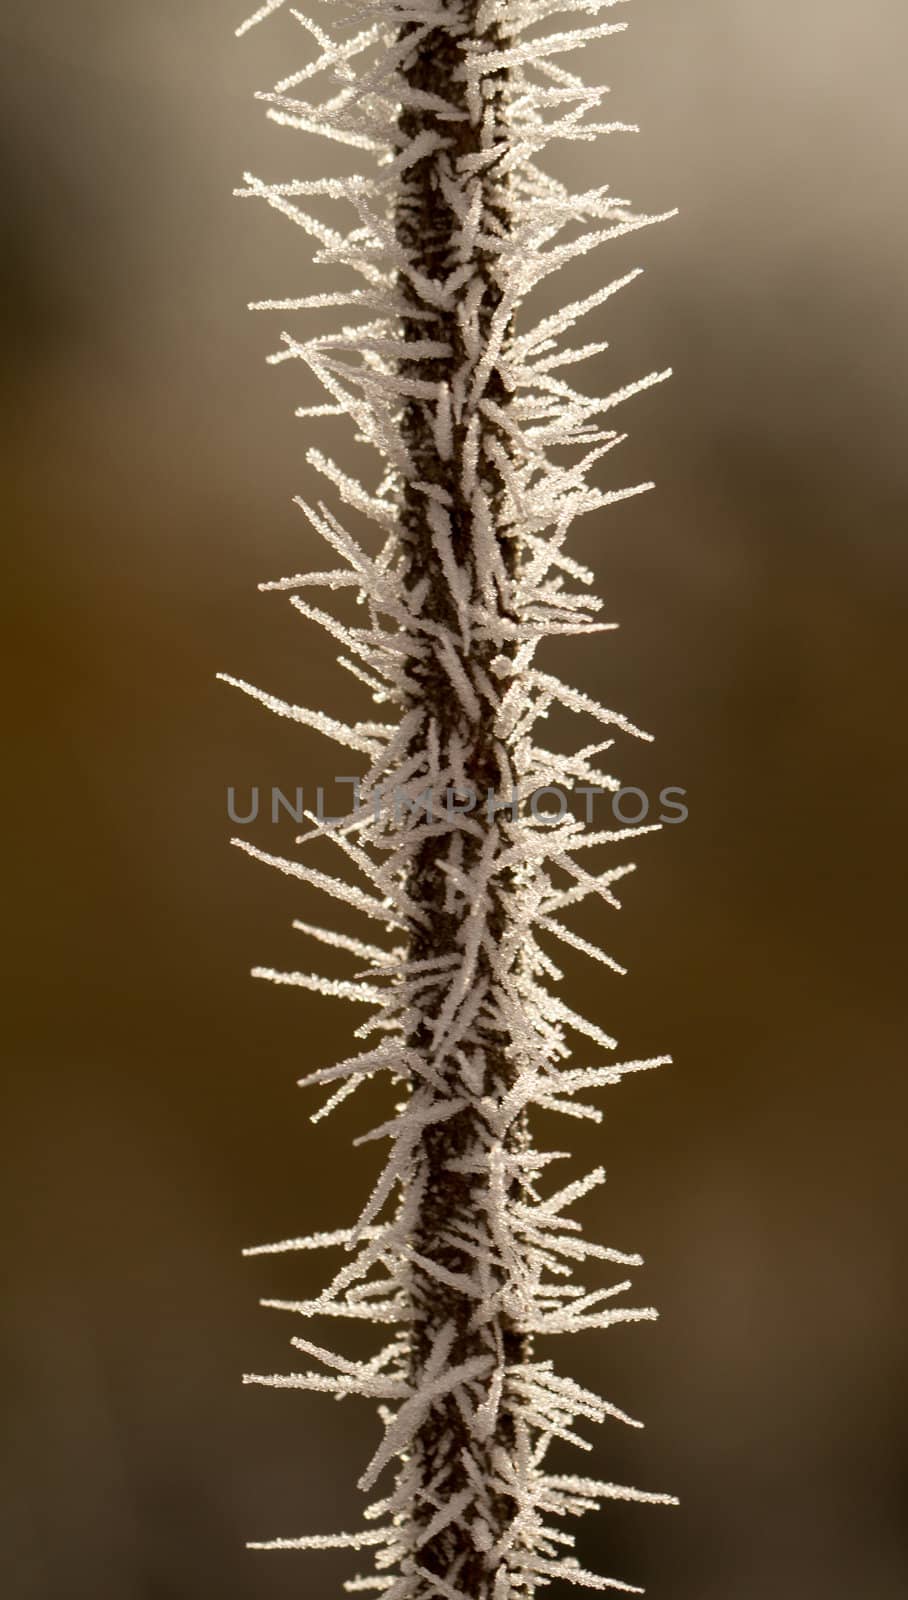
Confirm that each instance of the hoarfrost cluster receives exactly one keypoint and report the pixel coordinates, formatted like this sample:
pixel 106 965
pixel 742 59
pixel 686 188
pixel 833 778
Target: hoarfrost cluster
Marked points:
pixel 463 1251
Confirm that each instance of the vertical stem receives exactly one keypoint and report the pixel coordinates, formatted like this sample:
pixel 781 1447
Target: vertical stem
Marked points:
pixel 472 1264
pixel 455 1204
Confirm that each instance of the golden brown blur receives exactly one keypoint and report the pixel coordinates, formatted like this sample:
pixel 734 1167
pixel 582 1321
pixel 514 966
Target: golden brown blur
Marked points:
pixel 152 1124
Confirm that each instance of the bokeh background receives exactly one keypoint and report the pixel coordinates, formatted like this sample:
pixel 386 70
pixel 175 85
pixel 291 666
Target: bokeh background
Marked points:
pixel 152 1124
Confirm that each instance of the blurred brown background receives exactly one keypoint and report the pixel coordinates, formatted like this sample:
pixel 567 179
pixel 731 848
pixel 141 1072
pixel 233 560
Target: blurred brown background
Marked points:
pixel 152 1126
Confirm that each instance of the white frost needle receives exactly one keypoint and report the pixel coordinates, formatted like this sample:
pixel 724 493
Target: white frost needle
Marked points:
pixel 456 557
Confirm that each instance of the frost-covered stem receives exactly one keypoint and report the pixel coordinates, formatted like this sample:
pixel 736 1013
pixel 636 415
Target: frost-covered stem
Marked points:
pixel 462 1248
pixel 454 1163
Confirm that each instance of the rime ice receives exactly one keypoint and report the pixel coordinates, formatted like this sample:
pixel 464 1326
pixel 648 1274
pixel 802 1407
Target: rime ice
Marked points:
pixel 485 451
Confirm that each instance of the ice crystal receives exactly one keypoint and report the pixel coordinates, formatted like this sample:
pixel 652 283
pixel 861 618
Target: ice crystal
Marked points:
pixel 458 1249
